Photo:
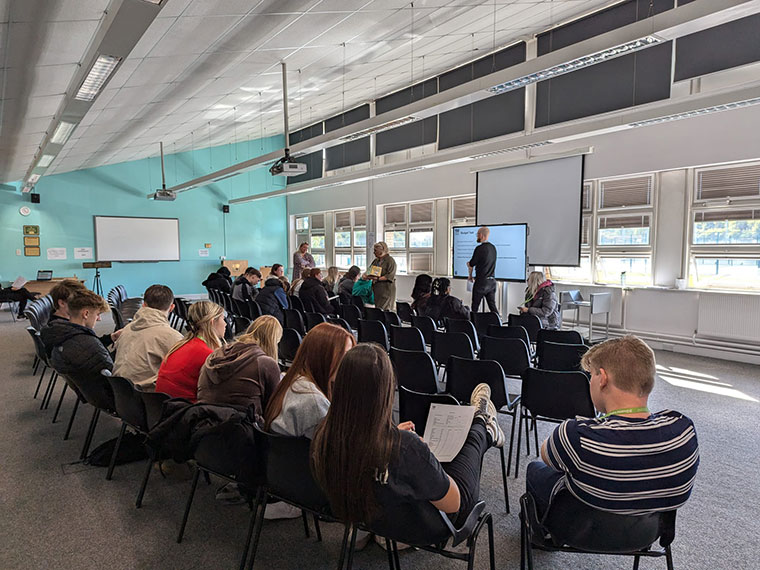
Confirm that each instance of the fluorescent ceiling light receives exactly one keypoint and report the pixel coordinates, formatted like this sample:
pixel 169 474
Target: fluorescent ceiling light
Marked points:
pixel 153 1
pixel 511 149
pixel 45 160
pixel 697 112
pixel 380 128
pixel 99 73
pixel 62 132
pixel 572 65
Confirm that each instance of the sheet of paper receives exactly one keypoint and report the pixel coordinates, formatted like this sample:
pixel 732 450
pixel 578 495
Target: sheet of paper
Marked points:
pixel 82 253
pixel 203 252
pixel 18 283
pixel 56 253
pixel 469 285
pixel 447 428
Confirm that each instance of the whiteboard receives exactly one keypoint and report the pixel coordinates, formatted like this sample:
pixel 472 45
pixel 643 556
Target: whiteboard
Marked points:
pixel 136 239
pixel 547 196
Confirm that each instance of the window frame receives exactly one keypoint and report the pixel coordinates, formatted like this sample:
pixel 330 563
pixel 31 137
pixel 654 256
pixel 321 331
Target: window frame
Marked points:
pixel 407 226
pixel 354 250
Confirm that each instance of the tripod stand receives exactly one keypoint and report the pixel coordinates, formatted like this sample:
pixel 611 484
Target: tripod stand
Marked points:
pixel 97 286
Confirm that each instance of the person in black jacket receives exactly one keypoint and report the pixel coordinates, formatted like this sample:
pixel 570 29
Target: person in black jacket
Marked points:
pixel 421 293
pixel 244 287
pixel 313 292
pixel 442 304
pixel 346 284
pixel 75 348
pixel 272 299
pixel 220 279
pixel 19 295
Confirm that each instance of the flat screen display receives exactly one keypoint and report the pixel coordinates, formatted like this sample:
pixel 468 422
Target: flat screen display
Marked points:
pixel 511 242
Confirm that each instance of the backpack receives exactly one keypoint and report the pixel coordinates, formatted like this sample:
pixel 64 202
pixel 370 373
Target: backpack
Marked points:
pixel 132 449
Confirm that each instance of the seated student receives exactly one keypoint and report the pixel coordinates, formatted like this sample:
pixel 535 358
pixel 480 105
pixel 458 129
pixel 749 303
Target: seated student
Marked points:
pixel 244 287
pixel 421 293
pixel 541 300
pixel 74 346
pixel 364 462
pixel 179 372
pixel 279 271
pixel 330 283
pixel 272 299
pixel 302 398
pixel 313 293
pixel 18 295
pixel 244 373
pixel 442 305
pixel 144 342
pixel 220 279
pixel 363 288
pixel 628 461
pixel 346 284
pixel 285 284
pixel 295 286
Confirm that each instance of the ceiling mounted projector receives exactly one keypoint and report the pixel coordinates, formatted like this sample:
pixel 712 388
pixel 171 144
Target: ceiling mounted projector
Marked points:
pixel 287 166
pixel 165 195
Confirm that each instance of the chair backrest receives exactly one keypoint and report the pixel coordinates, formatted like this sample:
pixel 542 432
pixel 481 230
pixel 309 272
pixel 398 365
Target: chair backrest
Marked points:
pixel 426 325
pixel 129 405
pixel 122 292
pixel 511 353
pixel 313 319
pixel 407 338
pixel 241 324
pixel 227 303
pixel 154 406
pixel 359 302
pixel 340 322
pixel 510 332
pixel 254 309
pixel 463 374
pixel 352 314
pixel 466 327
pixel 296 303
pixel 39 346
pixel 294 320
pixel 391 318
pixel 564 337
pixel 118 319
pixel 415 370
pixel 404 311
pixel 374 314
pixel 483 320
pixel 531 323
pixel 556 395
pixel 241 308
pixel 308 306
pixel 446 344
pixel 95 389
pixel 373 331
pixel 560 356
pixel 288 345
pixel 415 406
pixel 114 299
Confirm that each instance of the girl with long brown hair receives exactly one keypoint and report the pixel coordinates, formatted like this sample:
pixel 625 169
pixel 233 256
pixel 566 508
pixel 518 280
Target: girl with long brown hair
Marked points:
pixel 363 461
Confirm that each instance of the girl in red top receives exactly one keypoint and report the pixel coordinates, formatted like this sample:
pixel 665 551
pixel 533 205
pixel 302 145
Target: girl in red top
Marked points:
pixel 179 372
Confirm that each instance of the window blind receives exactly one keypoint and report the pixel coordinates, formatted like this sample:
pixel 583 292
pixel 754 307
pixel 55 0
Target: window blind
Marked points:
pixel 626 192
pixel 724 183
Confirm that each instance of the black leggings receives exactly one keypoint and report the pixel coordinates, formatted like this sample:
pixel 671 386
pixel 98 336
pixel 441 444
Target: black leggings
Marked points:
pixel 21 296
pixel 465 469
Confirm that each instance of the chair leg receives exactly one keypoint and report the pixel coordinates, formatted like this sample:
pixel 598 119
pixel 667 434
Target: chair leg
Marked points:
pixel 35 366
pixel 115 453
pixel 305 524
pixel 519 442
pixel 39 382
pixel 146 475
pixel 317 530
pixel 257 531
pixel 669 557
pixel 60 401
pixel 535 435
pixel 90 433
pixel 504 479
pixel 343 545
pixel 52 389
pixel 189 503
pixel 394 545
pixel 636 562
pixel 351 547
pixel 389 549
pixel 50 384
pixel 491 554
pixel 527 434
pixel 251 525
pixel 71 419
pixel 512 439
pixel 522 543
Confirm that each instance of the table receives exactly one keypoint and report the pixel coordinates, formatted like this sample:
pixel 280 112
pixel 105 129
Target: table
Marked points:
pixel 44 287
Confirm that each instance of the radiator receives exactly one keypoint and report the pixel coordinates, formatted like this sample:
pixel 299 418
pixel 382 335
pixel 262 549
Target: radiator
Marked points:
pixel 735 317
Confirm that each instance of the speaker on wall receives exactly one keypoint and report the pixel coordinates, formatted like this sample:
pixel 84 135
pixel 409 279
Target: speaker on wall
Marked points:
pixel 35 198
pixel 225 209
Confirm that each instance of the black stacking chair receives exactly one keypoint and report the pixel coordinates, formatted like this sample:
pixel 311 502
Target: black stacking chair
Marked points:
pixel 254 309
pixel 404 311
pixel 294 320
pixel 407 338
pixel 153 403
pixel 551 396
pixel 288 346
pixel 558 356
pixel 241 324
pixel 340 322
pixel 352 314
pixel 41 356
pixel 358 302
pixel 483 320
pixel 531 323
pixel 314 319
pixel 427 327
pixel 512 332
pixel 118 319
pixel 96 392
pixel 391 319
pixel 564 337
pixel 130 408
pixel 296 303
pixel 511 353
pixel 463 375
pixel 446 344
pixel 415 370
pixel 466 327
pixel 242 309
pixel 374 314
pixel 415 406
pixel 572 526
pixel 373 331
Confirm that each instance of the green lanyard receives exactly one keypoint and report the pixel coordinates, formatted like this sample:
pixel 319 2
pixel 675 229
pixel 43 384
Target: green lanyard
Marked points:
pixel 626 411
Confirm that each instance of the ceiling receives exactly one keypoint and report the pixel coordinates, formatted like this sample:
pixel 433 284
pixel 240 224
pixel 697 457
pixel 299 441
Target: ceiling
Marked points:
pixel 207 72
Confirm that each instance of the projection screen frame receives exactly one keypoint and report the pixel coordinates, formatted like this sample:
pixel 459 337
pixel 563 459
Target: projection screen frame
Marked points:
pixel 95 235
pixel 527 261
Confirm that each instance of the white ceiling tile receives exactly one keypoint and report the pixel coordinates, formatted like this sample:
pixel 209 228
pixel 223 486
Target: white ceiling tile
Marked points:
pixel 129 96
pixel 60 10
pixel 174 8
pixel 152 70
pixel 219 8
pixel 49 43
pixel 153 34
pixel 192 35
pixel 126 69
pixel 304 30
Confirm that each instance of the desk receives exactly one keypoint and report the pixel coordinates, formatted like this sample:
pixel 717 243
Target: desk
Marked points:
pixel 598 304
pixel 44 287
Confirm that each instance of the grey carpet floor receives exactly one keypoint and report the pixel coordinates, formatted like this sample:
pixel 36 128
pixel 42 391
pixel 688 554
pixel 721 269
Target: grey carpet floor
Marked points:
pixel 56 513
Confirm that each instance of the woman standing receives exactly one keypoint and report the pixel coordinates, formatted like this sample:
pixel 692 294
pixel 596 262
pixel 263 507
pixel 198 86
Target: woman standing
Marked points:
pixel 302 259
pixel 541 300
pixel 384 285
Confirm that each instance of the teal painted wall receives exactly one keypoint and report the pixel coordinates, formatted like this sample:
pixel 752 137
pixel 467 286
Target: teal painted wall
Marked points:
pixel 255 231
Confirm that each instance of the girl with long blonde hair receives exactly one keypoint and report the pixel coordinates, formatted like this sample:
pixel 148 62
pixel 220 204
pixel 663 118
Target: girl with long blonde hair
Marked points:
pixel 541 300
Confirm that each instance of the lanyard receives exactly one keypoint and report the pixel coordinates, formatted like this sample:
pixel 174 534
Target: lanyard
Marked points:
pixel 626 411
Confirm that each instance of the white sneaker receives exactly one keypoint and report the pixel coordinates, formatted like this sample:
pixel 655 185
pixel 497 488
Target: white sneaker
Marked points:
pixel 281 510
pixel 486 411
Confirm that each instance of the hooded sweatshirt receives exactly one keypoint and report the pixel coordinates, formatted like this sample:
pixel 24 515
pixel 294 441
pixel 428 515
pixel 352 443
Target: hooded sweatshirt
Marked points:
pixel 142 346
pixel 75 349
pixel 238 374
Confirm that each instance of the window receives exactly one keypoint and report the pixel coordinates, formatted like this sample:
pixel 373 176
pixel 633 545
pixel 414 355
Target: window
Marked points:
pixel 409 231
pixel 311 229
pixel 350 238
pixel 724 244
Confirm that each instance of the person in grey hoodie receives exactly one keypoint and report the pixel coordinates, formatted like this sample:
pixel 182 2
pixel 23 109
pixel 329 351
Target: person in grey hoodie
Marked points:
pixel 244 373
pixel 146 340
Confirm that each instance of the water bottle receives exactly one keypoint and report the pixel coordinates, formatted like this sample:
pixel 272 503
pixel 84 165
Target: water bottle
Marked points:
pixel 622 278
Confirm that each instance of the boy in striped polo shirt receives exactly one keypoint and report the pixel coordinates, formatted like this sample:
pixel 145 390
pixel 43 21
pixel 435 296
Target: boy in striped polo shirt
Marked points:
pixel 628 460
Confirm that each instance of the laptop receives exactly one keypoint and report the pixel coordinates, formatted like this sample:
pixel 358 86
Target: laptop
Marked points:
pixel 45 275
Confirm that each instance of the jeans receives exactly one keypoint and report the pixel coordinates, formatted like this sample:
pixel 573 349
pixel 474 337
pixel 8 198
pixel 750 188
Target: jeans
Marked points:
pixel 540 482
pixel 465 469
pixel 484 288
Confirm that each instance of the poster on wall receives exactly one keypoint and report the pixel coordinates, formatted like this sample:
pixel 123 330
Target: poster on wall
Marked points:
pixel 82 253
pixel 56 253
pixel 202 253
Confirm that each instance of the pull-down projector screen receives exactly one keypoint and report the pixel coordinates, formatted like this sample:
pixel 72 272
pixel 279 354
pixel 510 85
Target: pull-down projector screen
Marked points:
pixel 136 239
pixel 547 196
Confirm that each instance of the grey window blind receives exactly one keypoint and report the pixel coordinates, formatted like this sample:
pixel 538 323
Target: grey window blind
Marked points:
pixel 317 221
pixel 420 262
pixel 610 222
pixel 586 198
pixel 360 217
pixel 395 214
pixel 726 215
pixel 462 208
pixel 725 183
pixel 625 192
pixel 421 212
pixel 342 219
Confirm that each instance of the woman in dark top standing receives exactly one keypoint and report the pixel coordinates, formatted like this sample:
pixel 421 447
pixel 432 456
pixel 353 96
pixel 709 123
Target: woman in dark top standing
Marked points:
pixel 421 292
pixel 442 305
pixel 365 463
